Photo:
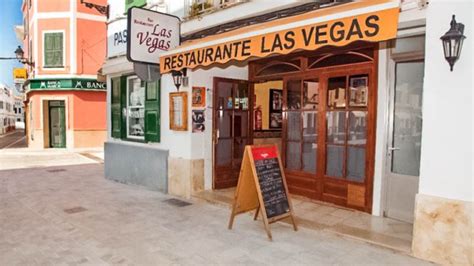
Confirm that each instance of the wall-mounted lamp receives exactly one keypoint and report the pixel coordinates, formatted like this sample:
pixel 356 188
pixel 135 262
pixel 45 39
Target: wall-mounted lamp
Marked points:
pixel 180 78
pixel 177 78
pixel 452 42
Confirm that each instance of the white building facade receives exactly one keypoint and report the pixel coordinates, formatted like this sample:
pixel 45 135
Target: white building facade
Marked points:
pixel 19 110
pixel 375 124
pixel 7 114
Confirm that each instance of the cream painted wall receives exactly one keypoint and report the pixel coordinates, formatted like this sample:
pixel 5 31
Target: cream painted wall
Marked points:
pixel 447 146
pixel 262 91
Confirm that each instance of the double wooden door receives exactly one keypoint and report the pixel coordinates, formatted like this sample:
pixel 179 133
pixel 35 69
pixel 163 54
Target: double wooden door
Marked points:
pixel 231 129
pixel 328 135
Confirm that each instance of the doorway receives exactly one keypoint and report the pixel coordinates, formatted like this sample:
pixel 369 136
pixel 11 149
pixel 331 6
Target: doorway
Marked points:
pixel 404 142
pixel 231 130
pixel 57 124
pixel 405 118
pixel 318 107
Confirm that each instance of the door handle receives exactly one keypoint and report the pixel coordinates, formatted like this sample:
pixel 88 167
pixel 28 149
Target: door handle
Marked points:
pixel 393 148
pixel 216 137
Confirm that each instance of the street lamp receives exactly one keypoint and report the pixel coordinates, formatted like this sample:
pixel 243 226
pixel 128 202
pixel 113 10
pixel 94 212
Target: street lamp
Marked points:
pixel 20 55
pixel 453 41
pixel 177 78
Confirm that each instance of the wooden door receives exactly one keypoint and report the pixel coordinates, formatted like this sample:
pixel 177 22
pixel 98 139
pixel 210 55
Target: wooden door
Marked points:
pixel 300 134
pixel 347 152
pixel 231 129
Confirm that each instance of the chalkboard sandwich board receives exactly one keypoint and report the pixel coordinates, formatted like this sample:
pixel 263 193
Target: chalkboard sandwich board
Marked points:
pixel 262 187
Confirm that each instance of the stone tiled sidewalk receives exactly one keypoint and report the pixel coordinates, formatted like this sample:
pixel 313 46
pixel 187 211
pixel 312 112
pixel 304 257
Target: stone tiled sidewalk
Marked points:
pixel 129 225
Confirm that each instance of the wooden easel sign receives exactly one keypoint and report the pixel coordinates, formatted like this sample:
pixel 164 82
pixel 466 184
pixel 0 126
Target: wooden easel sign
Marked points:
pixel 262 187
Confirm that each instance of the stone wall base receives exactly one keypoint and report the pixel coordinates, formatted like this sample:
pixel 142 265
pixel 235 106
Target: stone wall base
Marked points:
pixel 443 231
pixel 185 176
pixel 138 164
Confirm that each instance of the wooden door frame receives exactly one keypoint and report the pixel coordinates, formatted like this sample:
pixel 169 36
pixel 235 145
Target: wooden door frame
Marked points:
pixel 322 74
pixel 214 116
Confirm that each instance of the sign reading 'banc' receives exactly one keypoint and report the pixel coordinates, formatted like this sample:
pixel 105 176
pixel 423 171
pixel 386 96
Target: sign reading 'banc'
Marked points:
pixel 150 33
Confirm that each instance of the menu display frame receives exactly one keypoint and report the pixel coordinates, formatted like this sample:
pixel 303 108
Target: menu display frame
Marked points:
pixel 262 187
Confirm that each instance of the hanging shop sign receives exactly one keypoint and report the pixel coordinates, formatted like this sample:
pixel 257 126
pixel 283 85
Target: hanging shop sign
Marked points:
pixel 19 75
pixel 117 38
pixel 262 187
pixel 149 34
pixel 71 84
pixel 371 27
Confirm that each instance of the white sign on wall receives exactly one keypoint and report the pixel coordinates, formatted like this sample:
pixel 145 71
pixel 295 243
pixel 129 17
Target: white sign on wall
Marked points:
pixel 117 38
pixel 150 33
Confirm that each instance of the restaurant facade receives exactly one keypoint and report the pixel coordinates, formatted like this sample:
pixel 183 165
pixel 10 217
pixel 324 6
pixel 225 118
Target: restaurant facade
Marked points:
pixel 344 91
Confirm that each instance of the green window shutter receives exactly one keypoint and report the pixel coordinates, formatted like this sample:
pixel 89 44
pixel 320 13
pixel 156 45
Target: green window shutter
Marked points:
pixel 116 110
pixel 53 49
pixel 132 3
pixel 152 111
pixel 123 106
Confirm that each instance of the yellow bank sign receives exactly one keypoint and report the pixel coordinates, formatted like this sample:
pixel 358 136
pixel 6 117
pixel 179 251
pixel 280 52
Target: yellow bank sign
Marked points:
pixel 371 27
pixel 20 74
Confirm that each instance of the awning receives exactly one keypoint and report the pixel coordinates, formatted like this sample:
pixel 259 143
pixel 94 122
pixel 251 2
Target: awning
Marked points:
pixel 372 21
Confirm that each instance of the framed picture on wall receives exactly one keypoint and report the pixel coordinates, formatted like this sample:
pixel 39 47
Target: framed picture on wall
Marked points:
pixel 179 111
pixel 276 120
pixel 198 121
pixel 199 96
pixel 276 100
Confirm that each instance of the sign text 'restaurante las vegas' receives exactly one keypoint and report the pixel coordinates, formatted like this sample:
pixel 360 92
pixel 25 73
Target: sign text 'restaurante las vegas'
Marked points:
pixel 373 27
pixel 149 34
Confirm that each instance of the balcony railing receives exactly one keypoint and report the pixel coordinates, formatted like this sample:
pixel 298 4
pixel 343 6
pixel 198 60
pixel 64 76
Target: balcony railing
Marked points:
pixel 196 8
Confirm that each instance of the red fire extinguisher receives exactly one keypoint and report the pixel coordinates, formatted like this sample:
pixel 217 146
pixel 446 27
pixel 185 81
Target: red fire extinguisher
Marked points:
pixel 258 118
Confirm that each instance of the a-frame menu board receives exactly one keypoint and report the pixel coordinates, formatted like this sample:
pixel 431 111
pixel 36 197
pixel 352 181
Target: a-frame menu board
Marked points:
pixel 262 187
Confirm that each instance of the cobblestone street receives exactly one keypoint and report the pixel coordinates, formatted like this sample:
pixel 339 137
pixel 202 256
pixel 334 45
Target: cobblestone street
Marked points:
pixel 72 215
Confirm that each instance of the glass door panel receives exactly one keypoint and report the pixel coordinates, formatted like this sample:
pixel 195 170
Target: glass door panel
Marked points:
pixel 301 125
pixel 404 144
pixel 57 124
pixel 231 129
pixel 336 97
pixel 224 123
pixel 346 127
pixel 357 128
pixel 335 161
pixel 407 119
pixel 293 96
pixel 310 129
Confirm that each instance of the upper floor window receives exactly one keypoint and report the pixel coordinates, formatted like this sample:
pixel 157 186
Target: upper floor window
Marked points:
pixel 53 45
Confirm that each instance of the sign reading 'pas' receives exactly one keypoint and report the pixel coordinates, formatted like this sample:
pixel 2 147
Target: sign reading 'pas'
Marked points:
pixel 150 33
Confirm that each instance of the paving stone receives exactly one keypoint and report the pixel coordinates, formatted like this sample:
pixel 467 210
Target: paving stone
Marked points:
pixel 129 225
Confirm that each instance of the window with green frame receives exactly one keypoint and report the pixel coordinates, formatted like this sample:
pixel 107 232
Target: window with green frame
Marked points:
pixel 135 109
pixel 53 49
